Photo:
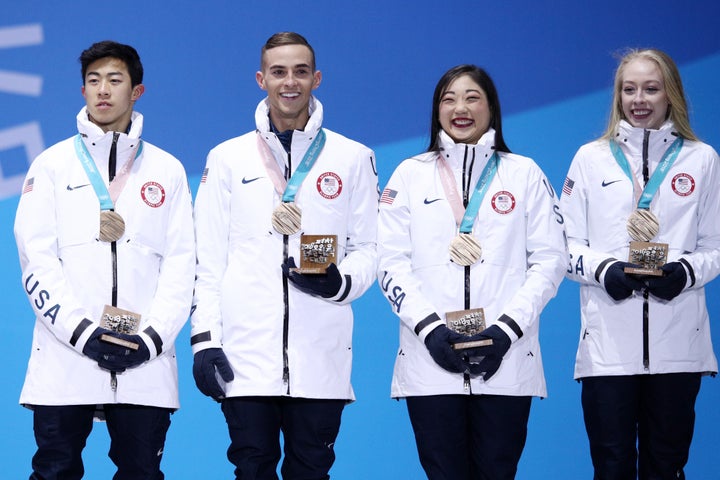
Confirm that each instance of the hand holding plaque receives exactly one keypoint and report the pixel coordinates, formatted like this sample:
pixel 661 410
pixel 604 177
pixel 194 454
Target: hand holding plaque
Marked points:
pixel 325 285
pixel 671 284
pixel 439 343
pixel 486 359
pixel 467 323
pixel 619 283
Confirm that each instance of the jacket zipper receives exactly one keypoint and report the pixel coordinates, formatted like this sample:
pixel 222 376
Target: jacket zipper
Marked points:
pixel 466 199
pixel 286 302
pixel 646 294
pixel 112 162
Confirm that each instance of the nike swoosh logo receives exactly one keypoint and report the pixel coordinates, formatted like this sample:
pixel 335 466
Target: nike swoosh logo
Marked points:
pixel 605 184
pixel 71 188
pixel 250 180
pixel 428 202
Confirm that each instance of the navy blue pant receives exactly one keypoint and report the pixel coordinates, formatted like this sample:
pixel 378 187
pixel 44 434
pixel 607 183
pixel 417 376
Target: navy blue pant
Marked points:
pixel 137 436
pixel 469 437
pixel 309 428
pixel 640 426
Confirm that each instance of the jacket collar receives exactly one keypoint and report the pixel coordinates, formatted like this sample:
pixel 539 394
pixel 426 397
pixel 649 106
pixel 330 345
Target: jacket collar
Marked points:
pixel 632 138
pixel 454 153
pixel 98 142
pixel 262 120
pixel 301 139
pixel 92 132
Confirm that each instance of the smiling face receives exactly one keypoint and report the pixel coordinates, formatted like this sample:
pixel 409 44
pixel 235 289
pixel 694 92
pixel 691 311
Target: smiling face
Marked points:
pixel 289 78
pixel 109 94
pixel 464 112
pixel 644 99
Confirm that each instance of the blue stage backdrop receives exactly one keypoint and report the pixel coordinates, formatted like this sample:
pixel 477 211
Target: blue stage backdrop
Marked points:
pixel 552 62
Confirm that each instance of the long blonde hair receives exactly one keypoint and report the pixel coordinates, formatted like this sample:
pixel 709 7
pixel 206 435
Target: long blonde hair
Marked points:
pixel 677 110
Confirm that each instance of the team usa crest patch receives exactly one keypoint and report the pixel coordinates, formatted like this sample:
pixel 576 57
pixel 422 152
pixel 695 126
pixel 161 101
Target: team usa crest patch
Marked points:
pixel 503 202
pixel 683 184
pixel 153 194
pixel 329 185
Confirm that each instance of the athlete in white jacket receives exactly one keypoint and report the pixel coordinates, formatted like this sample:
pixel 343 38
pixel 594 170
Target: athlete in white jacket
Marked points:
pixel 454 401
pixel 70 274
pixel 644 341
pixel 281 341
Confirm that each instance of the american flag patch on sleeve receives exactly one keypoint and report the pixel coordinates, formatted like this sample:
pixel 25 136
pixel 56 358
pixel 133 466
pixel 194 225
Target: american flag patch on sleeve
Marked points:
pixel 29 185
pixel 568 186
pixel 388 196
pixel 203 179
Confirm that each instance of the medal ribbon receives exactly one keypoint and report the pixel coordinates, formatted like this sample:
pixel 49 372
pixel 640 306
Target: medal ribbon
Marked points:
pixel 644 199
pixel 288 188
pixel 466 218
pixel 104 195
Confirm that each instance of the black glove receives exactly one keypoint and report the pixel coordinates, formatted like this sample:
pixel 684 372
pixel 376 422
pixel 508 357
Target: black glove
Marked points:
pixel 671 283
pixel 101 351
pixel 205 364
pixel 130 358
pixel 490 356
pixel 618 284
pixel 113 357
pixel 439 343
pixel 325 285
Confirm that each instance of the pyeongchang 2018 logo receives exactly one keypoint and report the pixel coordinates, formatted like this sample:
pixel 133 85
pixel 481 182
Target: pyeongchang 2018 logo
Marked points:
pixel 24 136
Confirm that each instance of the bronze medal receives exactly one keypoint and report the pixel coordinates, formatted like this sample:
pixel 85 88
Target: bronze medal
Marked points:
pixel 112 226
pixel 286 218
pixel 642 225
pixel 465 249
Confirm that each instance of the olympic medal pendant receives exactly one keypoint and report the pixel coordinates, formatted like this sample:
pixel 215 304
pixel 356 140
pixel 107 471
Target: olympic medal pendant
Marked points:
pixel 465 249
pixel 642 225
pixel 286 218
pixel 112 226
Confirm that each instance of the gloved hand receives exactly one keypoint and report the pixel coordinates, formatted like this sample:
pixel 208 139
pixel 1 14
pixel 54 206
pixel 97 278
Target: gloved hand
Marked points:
pixel 101 351
pixel 129 358
pixel 325 285
pixel 618 284
pixel 439 343
pixel 490 356
pixel 205 364
pixel 113 357
pixel 671 283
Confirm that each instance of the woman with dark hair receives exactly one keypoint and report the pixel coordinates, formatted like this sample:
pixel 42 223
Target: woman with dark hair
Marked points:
pixel 471 248
pixel 641 206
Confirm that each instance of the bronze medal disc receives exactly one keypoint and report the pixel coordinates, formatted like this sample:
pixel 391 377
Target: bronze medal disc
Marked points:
pixel 286 218
pixel 112 226
pixel 642 225
pixel 465 249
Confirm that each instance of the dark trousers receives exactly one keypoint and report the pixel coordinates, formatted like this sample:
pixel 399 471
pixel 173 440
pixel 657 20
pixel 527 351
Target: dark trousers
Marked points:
pixel 309 428
pixel 137 437
pixel 640 426
pixel 469 437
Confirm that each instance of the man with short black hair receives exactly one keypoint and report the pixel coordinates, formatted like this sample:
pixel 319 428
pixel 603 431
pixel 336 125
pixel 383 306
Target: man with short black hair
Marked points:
pixel 105 237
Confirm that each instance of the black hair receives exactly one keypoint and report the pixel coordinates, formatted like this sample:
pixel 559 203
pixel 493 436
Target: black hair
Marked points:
pixel 109 48
pixel 481 77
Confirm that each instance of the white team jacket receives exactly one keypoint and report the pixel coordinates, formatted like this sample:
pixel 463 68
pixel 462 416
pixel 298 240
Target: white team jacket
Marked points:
pixel 597 200
pixel 524 256
pixel 67 271
pixel 240 293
